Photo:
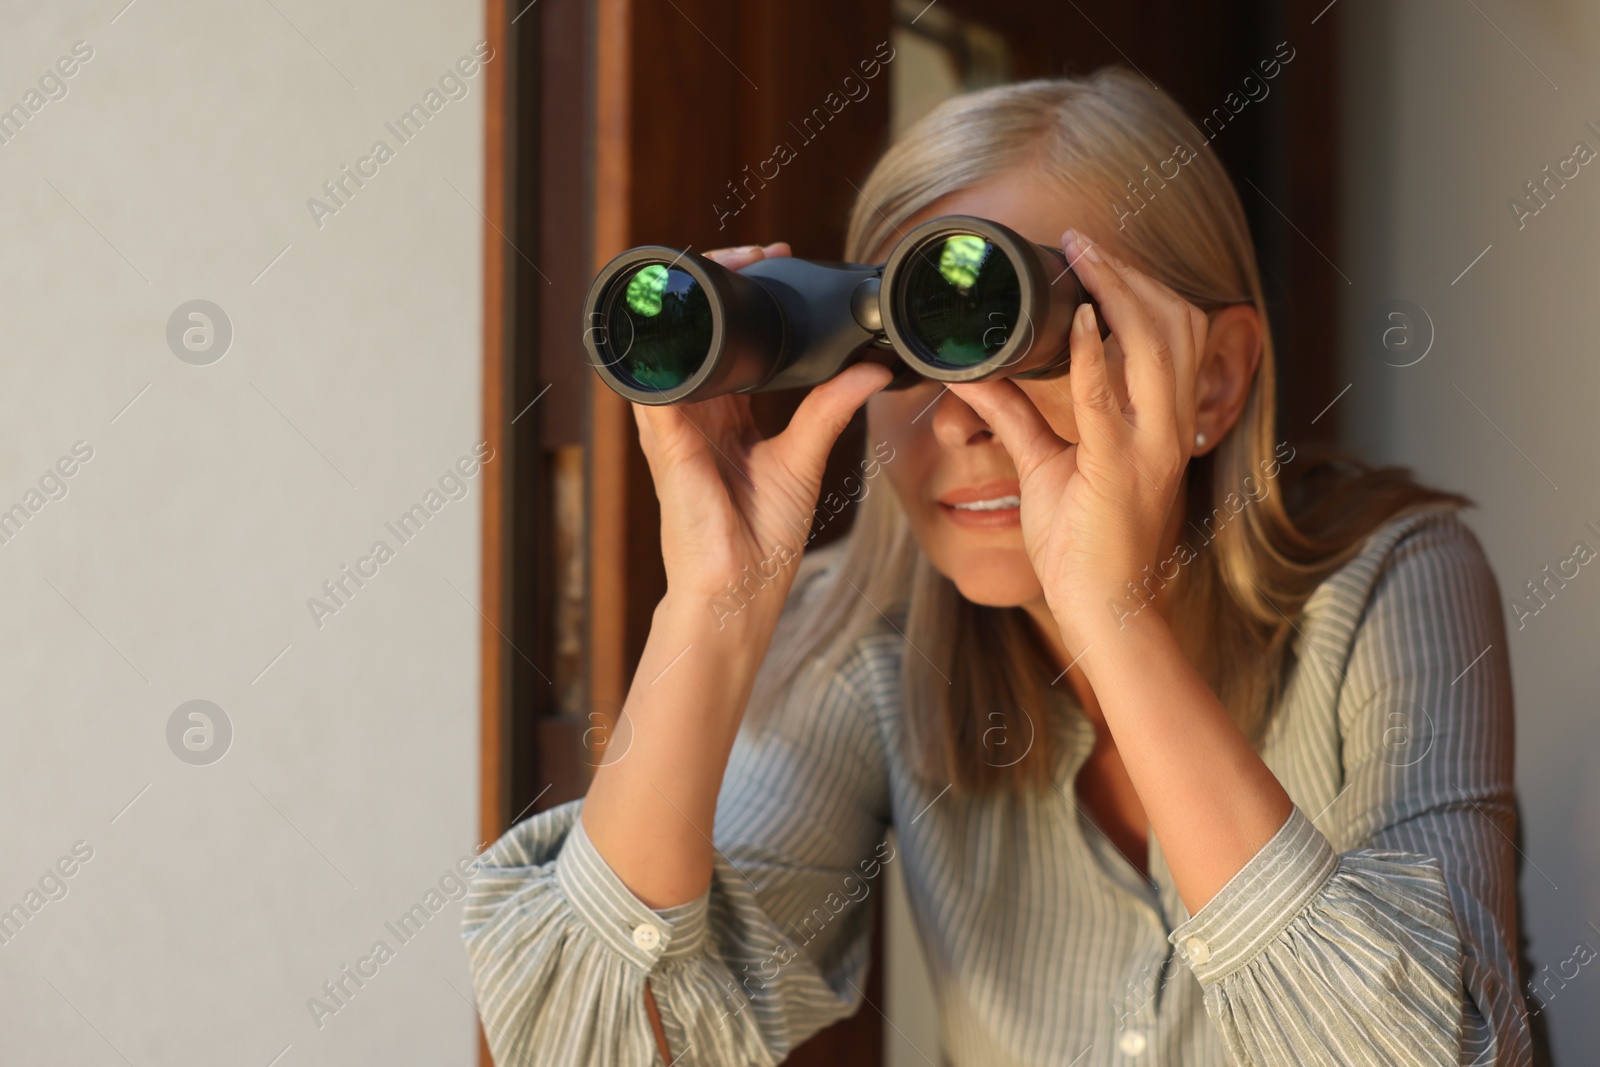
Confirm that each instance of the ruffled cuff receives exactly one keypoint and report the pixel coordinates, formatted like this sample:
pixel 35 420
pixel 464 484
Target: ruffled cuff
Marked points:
pixel 562 951
pixel 1313 956
pixel 1264 896
pixel 625 924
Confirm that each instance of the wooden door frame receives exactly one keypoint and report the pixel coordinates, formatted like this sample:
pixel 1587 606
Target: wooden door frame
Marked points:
pixel 491 586
pixel 492 565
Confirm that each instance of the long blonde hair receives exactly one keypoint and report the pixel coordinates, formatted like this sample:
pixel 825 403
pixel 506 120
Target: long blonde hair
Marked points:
pixel 1110 138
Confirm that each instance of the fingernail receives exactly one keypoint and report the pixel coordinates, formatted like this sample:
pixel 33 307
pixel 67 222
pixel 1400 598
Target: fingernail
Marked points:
pixel 1083 319
pixel 1080 247
pixel 747 249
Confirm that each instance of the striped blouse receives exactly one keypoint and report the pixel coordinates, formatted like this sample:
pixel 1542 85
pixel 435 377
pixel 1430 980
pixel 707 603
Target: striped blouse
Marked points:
pixel 1378 926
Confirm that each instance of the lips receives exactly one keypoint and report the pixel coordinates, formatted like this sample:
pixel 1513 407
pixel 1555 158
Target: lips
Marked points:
pixel 984 495
pixel 987 506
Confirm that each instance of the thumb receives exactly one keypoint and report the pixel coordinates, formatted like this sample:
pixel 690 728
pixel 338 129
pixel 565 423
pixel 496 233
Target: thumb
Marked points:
pixel 804 444
pixel 1023 431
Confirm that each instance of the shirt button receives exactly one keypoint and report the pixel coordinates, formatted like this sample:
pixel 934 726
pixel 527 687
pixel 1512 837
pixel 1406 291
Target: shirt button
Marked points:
pixel 1197 949
pixel 646 936
pixel 1131 1042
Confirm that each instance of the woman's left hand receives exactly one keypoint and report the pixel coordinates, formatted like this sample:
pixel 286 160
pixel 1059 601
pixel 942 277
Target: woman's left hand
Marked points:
pixel 1094 512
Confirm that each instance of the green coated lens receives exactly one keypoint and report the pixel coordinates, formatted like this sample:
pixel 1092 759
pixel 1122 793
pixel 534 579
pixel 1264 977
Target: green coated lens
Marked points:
pixel 658 327
pixel 961 299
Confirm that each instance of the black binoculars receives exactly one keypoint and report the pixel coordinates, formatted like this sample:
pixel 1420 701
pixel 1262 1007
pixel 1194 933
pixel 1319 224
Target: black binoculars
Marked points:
pixel 960 299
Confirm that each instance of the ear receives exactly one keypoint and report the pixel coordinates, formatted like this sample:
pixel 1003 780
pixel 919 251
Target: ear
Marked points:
pixel 1227 369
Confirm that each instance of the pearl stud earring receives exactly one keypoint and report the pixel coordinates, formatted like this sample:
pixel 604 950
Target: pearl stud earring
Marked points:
pixel 1199 440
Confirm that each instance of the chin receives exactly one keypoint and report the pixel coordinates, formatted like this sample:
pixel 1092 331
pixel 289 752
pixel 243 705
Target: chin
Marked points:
pixel 995 578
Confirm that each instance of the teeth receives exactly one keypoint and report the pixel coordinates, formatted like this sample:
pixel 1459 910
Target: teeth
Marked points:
pixel 991 505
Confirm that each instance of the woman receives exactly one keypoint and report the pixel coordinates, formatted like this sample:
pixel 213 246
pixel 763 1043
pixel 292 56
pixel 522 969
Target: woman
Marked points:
pixel 1196 750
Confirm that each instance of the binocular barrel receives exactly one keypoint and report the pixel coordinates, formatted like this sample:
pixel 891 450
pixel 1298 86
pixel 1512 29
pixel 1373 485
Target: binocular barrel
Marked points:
pixel 960 299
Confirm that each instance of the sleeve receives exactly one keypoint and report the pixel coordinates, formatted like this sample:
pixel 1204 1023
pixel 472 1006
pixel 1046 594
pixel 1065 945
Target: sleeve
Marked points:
pixel 1390 938
pixel 775 949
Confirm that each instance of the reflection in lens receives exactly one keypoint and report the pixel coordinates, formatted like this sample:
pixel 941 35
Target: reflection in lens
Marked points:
pixel 960 259
pixel 658 327
pixel 962 303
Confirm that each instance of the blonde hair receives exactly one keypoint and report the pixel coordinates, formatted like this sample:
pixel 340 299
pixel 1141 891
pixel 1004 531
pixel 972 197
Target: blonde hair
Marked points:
pixel 1098 138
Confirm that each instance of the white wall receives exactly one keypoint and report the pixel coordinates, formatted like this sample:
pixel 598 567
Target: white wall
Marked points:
pixel 179 563
pixel 1448 112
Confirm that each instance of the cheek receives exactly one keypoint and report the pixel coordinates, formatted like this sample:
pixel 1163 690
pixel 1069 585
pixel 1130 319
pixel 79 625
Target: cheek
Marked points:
pixel 899 418
pixel 913 475
pixel 988 568
pixel 889 419
pixel 907 475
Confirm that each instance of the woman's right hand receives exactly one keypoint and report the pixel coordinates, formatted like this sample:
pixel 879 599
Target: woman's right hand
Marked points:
pixel 733 503
pixel 730 498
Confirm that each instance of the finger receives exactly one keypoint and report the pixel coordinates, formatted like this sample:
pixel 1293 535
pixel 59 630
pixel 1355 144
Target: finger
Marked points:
pixel 647 434
pixel 1183 324
pixel 816 424
pixel 1022 429
pixel 1124 309
pixel 659 455
pixel 660 439
pixel 737 258
pixel 1095 404
pixel 777 248
pixel 679 432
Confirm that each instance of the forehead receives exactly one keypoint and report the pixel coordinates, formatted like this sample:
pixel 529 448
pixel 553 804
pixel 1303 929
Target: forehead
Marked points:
pixel 1022 199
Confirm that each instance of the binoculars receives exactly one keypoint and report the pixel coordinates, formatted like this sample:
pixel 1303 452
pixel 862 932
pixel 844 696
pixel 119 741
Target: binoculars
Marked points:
pixel 960 299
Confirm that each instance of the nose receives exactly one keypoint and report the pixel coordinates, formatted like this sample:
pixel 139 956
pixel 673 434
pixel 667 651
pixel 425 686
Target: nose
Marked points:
pixel 956 424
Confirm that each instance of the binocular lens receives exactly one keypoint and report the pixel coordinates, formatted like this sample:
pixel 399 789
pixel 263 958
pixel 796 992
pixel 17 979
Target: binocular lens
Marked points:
pixel 961 299
pixel 657 327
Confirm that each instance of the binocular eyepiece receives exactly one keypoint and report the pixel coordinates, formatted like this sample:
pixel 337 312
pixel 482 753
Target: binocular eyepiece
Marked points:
pixel 960 299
